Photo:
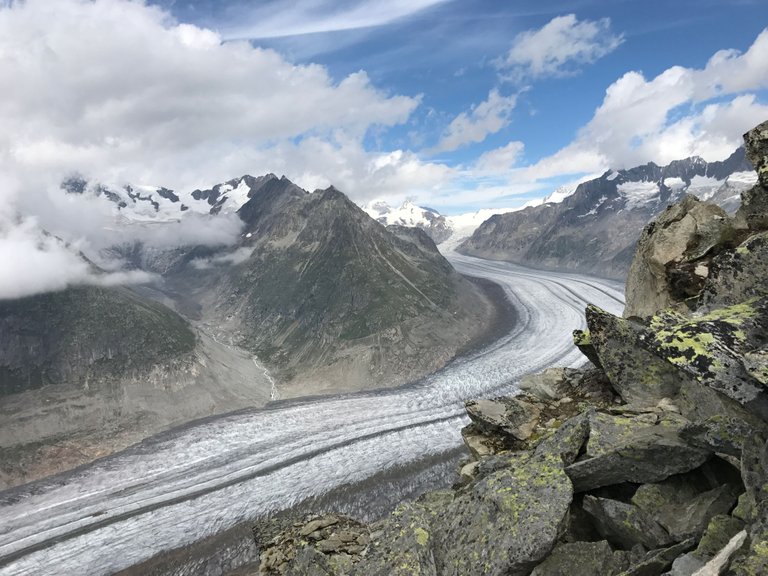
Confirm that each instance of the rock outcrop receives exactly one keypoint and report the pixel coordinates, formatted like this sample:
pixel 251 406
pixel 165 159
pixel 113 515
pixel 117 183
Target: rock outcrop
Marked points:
pixel 654 461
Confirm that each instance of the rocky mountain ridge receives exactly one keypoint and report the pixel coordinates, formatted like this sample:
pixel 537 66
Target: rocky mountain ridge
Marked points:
pixel 595 229
pixel 651 461
pixel 323 293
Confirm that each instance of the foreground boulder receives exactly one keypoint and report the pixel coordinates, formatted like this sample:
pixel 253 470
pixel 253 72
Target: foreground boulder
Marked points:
pixel 675 355
pixel 669 264
pixel 505 523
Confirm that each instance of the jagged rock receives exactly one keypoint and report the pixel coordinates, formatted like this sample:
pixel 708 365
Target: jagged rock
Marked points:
pixel 684 233
pixel 754 202
pixel 568 440
pixel 559 384
pixel 307 562
pixel 480 445
pixel 468 472
pixel 756 144
pixel 583 559
pixel 403 546
pixel 625 524
pixel 607 431
pixel 314 546
pixel 504 415
pixel 720 562
pixel 506 522
pixel 638 376
pixel 754 474
pixel 657 561
pixel 686 565
pixel 678 506
pixel 582 339
pixel 547 386
pixel 318 524
pixel 642 454
pixel 738 275
pixel 720 530
pixel 724 433
pixel 674 353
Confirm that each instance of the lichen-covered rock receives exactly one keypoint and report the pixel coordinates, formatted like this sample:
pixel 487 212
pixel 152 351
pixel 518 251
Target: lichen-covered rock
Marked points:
pixel 568 440
pixel 582 339
pixel 643 454
pixel 608 431
pixel 724 433
pixel 625 524
pixel 402 545
pixel 638 375
pixel 754 202
pixel 754 474
pixel 756 144
pixel 583 559
pixel 506 522
pixel 686 232
pixel 737 275
pixel 656 562
pixel 509 416
pixel 648 363
pixel 680 508
pixel 720 562
pixel 720 530
pixel 315 546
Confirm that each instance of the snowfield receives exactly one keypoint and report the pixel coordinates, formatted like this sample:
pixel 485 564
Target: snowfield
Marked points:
pixel 193 482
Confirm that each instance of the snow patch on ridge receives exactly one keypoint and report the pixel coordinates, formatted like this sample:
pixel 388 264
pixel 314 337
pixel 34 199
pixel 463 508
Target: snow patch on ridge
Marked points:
pixel 638 194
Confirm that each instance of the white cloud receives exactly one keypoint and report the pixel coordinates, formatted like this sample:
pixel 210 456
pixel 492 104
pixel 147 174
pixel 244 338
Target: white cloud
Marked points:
pixel 474 126
pixel 673 115
pixel 559 48
pixel 681 112
pixel 117 90
pixel 500 159
pixel 32 263
pixel 281 18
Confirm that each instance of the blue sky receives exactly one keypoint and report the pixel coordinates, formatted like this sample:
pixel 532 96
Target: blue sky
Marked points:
pixel 448 53
pixel 459 105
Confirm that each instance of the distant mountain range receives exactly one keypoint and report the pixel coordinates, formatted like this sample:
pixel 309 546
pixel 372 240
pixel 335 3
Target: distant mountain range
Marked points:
pixel 439 227
pixel 595 229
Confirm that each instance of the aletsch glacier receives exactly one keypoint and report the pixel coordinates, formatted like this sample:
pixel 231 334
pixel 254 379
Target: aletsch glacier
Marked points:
pixel 194 482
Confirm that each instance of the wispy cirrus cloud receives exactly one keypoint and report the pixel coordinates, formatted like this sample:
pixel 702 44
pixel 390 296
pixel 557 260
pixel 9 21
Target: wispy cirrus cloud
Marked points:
pixel 280 18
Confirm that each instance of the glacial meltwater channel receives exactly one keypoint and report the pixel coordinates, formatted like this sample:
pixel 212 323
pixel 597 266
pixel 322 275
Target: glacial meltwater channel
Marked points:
pixel 196 481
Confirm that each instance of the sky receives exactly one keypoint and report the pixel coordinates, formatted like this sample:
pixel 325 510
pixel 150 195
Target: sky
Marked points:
pixel 456 105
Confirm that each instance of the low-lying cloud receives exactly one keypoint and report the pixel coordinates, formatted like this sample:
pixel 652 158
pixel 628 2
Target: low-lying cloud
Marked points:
pixel 33 262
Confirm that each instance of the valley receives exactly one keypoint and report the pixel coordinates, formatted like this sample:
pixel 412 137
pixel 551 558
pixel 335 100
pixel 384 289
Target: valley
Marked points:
pixel 211 475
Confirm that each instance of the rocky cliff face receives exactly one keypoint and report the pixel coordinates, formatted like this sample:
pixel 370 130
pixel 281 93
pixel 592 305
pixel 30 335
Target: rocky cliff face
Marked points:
pixel 596 228
pixel 652 461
